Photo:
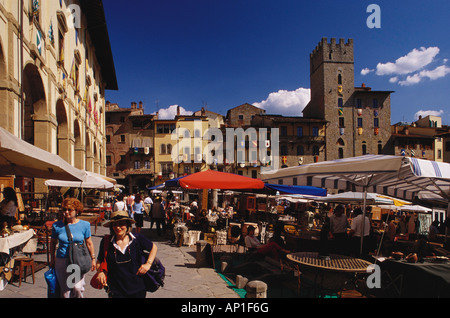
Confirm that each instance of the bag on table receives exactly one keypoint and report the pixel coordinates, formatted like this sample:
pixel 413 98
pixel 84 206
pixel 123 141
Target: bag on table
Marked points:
pixel 79 254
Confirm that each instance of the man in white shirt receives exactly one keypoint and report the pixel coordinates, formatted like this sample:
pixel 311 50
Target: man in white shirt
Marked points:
pixel 357 231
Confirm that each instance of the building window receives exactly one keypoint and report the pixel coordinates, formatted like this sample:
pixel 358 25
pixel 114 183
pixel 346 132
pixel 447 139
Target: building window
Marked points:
pixel 241 117
pixel 162 149
pixel 299 131
pixel 169 149
pixel 137 164
pixel 439 154
pixel 108 160
pixel 283 150
pixel 341 122
pixel 122 159
pixel 360 123
pixel 315 150
pixel 364 148
pixel 358 103
pixel 380 148
pixel 254 174
pixel 240 172
pixel 108 139
pixel 300 150
pixel 340 102
pixel 122 138
pixel 165 128
pixel 341 153
pixel 376 123
pixel 166 169
pixel 294 181
pixel 283 131
pixel 339 79
pixel 147 164
pixel 187 169
pixel 375 103
pixel 60 48
pixel 315 131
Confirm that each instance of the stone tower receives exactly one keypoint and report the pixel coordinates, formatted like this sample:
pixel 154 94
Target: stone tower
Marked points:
pixel 358 119
pixel 332 85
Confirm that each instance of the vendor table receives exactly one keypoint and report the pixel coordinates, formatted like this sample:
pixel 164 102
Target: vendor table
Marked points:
pixel 426 279
pixel 16 239
pixel 335 267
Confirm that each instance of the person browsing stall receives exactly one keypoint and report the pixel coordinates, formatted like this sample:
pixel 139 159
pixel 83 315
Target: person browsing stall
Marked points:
pixel 8 207
pixel 59 257
pixel 124 267
pixel 270 249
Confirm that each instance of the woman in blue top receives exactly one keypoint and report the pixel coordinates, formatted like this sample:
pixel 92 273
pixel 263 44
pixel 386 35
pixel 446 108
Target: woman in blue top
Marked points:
pixel 138 212
pixel 81 231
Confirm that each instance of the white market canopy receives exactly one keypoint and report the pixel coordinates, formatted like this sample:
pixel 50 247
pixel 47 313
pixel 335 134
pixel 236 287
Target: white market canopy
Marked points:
pixel 400 177
pixel 20 158
pixel 358 198
pixel 92 180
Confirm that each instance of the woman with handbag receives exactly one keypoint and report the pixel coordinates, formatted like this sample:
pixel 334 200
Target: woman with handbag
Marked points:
pixel 121 267
pixel 64 232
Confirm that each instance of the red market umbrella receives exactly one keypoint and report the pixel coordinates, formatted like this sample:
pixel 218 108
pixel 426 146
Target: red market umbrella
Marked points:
pixel 212 179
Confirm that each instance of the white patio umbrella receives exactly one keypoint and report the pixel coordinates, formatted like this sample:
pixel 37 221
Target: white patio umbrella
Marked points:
pixel 401 177
pixel 92 180
pixel 356 198
pixel 20 158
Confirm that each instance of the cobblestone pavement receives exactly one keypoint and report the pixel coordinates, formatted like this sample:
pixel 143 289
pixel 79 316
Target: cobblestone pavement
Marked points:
pixel 184 279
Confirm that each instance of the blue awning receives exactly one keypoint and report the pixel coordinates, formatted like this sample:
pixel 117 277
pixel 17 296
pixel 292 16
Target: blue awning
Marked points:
pixel 173 182
pixel 306 190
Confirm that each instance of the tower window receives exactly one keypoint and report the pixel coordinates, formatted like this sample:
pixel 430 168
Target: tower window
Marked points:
pixel 340 102
pixel 339 79
pixel 375 103
pixel 360 122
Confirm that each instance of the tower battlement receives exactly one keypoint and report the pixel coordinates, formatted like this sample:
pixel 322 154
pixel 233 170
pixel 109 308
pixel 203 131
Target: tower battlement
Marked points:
pixel 331 51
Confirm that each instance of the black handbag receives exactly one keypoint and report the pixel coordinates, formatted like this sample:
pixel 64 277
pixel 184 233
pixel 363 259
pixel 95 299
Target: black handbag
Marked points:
pixel 154 278
pixel 79 254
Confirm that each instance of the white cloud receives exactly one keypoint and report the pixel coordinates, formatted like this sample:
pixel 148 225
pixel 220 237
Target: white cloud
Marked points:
pixel 411 80
pixel 412 65
pixel 425 113
pixel 438 72
pixel 411 62
pixel 171 111
pixel 366 71
pixel 284 102
pixel 393 79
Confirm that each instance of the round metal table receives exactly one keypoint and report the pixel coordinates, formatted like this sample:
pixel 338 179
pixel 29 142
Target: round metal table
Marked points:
pixel 321 265
pixel 339 263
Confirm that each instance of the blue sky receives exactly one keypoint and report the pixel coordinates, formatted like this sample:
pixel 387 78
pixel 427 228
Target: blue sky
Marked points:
pixel 223 53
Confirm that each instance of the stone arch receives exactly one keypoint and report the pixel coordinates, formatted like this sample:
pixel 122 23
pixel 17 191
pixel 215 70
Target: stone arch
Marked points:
pixel 89 163
pixel 4 104
pixel 78 146
pixel 63 134
pixel 36 117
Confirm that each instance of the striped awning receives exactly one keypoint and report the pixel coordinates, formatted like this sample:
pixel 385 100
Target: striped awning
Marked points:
pixel 397 176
